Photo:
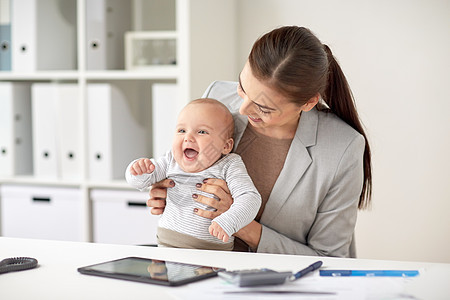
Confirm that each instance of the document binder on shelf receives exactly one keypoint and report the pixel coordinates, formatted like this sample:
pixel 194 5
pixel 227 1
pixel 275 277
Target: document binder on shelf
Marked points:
pixel 165 109
pixel 23 43
pixel 5 36
pixel 106 23
pixel 56 131
pixel 45 160
pixel 115 137
pixel 69 132
pixel 43 35
pixel 15 129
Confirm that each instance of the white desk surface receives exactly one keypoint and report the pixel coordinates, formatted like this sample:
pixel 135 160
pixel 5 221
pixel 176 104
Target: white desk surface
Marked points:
pixel 57 276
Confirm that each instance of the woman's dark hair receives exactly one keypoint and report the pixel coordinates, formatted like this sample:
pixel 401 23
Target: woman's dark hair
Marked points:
pixel 295 63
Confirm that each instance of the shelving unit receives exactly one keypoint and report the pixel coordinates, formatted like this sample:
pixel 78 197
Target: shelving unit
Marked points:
pixel 204 31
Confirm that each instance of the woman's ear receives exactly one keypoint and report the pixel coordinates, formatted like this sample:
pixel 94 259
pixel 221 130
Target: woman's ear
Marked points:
pixel 311 103
pixel 228 146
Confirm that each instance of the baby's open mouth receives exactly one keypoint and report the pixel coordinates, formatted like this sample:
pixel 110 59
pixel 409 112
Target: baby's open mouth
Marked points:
pixel 190 153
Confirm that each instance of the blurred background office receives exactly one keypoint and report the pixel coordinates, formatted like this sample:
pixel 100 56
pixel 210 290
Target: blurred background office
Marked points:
pixel 395 55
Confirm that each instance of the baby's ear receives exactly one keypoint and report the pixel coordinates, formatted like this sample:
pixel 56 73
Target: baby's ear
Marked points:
pixel 228 146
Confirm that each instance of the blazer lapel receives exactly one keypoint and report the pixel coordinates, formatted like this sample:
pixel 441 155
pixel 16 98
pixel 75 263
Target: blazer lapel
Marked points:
pixel 296 164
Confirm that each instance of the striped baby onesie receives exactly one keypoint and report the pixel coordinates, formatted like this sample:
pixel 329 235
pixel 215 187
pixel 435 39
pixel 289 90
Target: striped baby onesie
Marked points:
pixel 179 213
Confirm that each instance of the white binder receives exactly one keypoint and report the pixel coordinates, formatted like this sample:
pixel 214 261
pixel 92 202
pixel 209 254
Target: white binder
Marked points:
pixel 23 35
pixel 5 36
pixel 165 109
pixel 56 131
pixel 115 138
pixel 106 23
pixel 39 29
pixel 45 155
pixel 69 132
pixel 15 129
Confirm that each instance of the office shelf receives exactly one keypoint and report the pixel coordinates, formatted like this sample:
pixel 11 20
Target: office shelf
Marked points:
pixel 31 180
pixel 203 31
pixel 153 73
pixel 39 75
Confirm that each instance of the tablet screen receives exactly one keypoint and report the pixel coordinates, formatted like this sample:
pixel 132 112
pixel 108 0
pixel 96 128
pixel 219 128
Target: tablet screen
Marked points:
pixel 150 271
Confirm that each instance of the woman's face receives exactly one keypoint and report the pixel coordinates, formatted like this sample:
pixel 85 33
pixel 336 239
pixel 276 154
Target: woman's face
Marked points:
pixel 268 111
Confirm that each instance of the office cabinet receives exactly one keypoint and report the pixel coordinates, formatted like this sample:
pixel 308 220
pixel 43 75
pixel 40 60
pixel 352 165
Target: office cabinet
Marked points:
pixel 122 217
pixel 41 212
pixel 92 53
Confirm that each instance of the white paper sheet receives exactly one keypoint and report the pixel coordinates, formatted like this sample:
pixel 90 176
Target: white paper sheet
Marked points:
pixel 313 287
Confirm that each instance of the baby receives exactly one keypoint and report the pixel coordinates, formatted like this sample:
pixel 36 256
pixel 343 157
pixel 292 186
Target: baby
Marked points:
pixel 200 149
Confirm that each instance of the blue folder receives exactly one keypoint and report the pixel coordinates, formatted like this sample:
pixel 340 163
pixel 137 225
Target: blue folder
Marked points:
pixel 370 273
pixel 5 47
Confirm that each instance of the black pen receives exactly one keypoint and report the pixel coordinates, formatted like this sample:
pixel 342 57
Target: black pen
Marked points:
pixel 305 271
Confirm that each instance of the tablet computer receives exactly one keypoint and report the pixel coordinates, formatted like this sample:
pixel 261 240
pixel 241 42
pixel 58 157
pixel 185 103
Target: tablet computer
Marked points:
pixel 150 271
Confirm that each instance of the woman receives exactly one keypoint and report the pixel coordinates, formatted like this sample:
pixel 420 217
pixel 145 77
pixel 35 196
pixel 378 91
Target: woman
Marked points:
pixel 310 161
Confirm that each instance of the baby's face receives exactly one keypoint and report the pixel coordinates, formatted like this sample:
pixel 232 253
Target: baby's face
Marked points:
pixel 201 136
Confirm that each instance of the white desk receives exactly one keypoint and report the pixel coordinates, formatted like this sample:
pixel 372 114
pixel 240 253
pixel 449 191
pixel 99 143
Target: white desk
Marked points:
pixel 57 276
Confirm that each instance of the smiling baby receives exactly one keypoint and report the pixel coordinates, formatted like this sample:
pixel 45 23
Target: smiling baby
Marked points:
pixel 201 149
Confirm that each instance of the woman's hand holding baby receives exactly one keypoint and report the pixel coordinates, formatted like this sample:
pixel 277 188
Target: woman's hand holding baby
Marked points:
pixel 221 202
pixel 142 166
pixel 158 194
pixel 217 187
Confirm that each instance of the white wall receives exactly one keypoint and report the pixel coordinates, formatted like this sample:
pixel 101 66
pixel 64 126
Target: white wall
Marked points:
pixel 396 55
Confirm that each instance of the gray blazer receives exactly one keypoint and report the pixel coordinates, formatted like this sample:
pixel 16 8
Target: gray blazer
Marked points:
pixel 313 205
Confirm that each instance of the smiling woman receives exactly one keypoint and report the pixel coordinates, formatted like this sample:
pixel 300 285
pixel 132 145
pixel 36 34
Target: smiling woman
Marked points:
pixel 269 112
pixel 318 169
pixel 311 163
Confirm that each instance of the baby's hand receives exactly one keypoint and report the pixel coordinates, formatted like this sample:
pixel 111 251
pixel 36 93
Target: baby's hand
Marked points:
pixel 218 232
pixel 142 166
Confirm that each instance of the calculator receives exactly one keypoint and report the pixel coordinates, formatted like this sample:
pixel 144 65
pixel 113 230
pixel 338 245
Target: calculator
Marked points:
pixel 255 277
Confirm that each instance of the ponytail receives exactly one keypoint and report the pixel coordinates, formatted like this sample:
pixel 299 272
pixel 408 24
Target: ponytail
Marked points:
pixel 339 98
